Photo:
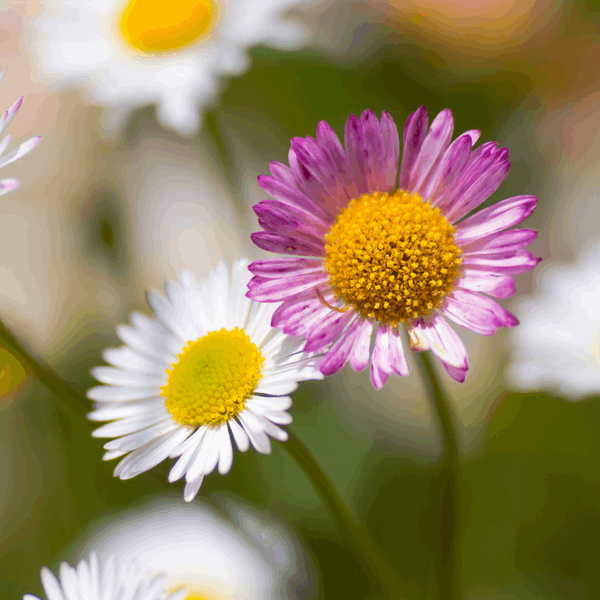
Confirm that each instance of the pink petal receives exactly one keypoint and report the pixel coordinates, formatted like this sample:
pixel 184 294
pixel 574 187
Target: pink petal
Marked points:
pixel 352 143
pixel 361 350
pixel 287 244
pixel 443 341
pixel 295 310
pixel 494 284
pixel 492 219
pixel 325 331
pixel 272 268
pixel 476 312
pixel 274 215
pixel 388 356
pixel 511 264
pixel 275 290
pixel 505 241
pixel 415 131
pixel 391 142
pixel 337 356
pixel 332 146
pixel 373 151
pixel 8 184
pixel 436 142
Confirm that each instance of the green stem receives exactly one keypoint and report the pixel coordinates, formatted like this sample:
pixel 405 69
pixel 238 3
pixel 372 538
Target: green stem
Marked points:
pixel 447 576
pixel 74 399
pixel 360 542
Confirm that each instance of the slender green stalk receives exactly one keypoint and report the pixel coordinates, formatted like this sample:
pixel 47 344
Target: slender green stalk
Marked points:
pixel 361 545
pixel 75 400
pixel 447 575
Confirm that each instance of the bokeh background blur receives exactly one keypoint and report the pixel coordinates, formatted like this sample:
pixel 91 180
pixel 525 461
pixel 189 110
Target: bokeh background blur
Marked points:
pixel 101 217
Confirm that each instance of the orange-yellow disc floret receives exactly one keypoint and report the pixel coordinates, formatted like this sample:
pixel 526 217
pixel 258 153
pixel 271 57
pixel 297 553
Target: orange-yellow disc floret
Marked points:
pixel 212 378
pixel 391 256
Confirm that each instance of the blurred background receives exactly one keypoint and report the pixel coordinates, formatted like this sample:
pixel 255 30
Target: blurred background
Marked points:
pixel 103 214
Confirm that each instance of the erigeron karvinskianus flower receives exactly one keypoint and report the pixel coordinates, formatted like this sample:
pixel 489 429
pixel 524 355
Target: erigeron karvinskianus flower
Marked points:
pixel 8 184
pixel 557 346
pixel 126 54
pixel 367 252
pixel 112 580
pixel 208 367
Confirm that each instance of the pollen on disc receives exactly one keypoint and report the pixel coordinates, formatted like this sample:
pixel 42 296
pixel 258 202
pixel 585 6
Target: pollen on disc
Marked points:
pixel 391 256
pixel 156 26
pixel 212 378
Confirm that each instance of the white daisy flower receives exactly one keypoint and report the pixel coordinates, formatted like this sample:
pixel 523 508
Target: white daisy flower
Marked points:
pixel 8 184
pixel 127 54
pixel 91 581
pixel 199 550
pixel 209 366
pixel 557 346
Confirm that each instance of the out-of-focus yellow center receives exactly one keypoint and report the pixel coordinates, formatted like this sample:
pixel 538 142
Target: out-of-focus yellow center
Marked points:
pixel 158 26
pixel 212 378
pixel 391 256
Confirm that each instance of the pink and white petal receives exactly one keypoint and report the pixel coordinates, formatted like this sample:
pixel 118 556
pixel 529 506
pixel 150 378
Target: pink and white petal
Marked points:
pixel 493 219
pixel 373 151
pixel 418 340
pixel 9 115
pixel 239 435
pixel 20 152
pixel 276 290
pixel 300 307
pixel 494 284
pixel 272 268
pixel 459 375
pixel 443 340
pixel 300 324
pixel 391 141
pixel 354 153
pixel 476 312
pixel 513 264
pixel 481 189
pixel 279 217
pixel 288 244
pixel 388 356
pixel 502 242
pixel 337 356
pixel 309 185
pixel 435 143
pixel 415 131
pixel 326 331
pixel 8 184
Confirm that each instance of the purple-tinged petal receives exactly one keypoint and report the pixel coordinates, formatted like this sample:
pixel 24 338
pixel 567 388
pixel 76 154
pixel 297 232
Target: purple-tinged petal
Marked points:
pixel 9 115
pixel 443 341
pixel 287 244
pixel 373 151
pixel 8 184
pixel 388 356
pixel 459 375
pixel 494 284
pixel 325 331
pixel 272 268
pixel 309 185
pixel 476 312
pixel 449 168
pixel 21 151
pixel 391 141
pixel 352 142
pixel 276 290
pixel 436 142
pixel 299 308
pixel 277 216
pixel 281 172
pixel 415 131
pixel 511 264
pixel 291 194
pixel 331 144
pixel 499 243
pixel 360 353
pixel 494 218
pixel 481 189
pixel 337 356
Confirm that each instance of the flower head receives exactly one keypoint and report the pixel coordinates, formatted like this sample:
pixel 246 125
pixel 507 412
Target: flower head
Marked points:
pixel 8 184
pixel 558 344
pixel 113 579
pixel 367 254
pixel 127 54
pixel 207 367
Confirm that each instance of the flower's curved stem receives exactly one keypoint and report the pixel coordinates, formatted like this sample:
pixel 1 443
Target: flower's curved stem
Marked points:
pixel 447 575
pixel 75 400
pixel 359 540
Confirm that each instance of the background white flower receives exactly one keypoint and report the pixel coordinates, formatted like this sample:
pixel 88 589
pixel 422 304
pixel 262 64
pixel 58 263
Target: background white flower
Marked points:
pixel 557 345
pixel 196 547
pixel 126 54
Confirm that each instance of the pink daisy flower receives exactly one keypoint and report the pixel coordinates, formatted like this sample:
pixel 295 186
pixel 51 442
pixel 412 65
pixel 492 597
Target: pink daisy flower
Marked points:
pixel 368 252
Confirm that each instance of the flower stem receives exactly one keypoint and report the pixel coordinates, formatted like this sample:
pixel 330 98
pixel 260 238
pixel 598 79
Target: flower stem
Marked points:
pixel 447 576
pixel 75 400
pixel 360 542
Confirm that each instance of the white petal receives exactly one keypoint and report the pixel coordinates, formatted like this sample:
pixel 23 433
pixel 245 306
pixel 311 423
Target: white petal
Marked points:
pixel 112 393
pixel 255 431
pixel 239 435
pixel 114 376
pixel 226 453
pixel 191 488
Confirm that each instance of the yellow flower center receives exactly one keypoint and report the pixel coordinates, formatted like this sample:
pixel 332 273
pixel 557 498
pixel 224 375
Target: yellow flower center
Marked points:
pixel 158 26
pixel 212 378
pixel 391 256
